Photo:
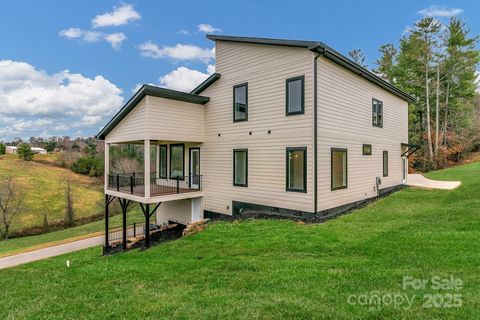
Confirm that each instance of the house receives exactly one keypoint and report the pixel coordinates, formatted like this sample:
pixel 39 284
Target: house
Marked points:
pixel 284 126
pixel 13 150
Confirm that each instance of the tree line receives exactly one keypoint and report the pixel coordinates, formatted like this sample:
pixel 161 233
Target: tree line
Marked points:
pixel 436 63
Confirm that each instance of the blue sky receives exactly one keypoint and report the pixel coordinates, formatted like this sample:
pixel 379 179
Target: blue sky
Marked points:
pixel 66 67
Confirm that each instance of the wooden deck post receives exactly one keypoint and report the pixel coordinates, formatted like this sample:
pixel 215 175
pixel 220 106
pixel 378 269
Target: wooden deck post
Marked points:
pixel 146 166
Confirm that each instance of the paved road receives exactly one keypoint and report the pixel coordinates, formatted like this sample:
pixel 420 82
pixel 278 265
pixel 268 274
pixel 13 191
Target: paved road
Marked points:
pixel 57 250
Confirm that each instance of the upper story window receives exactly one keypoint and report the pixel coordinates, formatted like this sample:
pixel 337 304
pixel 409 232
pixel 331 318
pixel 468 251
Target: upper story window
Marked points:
pixel 377 113
pixel 240 102
pixel 295 95
pixel 297 169
pixel 240 167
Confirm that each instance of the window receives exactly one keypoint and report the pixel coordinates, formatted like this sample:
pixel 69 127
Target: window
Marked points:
pixel 162 166
pixel 385 163
pixel 240 167
pixel 339 168
pixel 367 149
pixel 177 161
pixel 297 169
pixel 377 113
pixel 240 102
pixel 295 95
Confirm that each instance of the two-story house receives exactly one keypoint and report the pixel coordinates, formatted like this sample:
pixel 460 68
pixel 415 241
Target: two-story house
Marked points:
pixel 284 126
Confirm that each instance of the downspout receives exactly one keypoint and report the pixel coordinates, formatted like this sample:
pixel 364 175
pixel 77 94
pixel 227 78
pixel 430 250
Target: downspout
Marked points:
pixel 315 129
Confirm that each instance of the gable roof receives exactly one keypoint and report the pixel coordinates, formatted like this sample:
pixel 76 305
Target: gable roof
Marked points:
pixel 148 90
pixel 327 52
pixel 205 84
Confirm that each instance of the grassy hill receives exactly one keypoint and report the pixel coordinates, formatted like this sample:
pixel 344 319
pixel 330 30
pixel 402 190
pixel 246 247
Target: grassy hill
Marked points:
pixel 43 189
pixel 272 269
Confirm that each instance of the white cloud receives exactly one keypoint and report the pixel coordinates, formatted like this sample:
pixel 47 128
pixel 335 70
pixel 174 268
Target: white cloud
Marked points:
pixel 437 11
pixel 407 30
pixel 185 79
pixel 72 33
pixel 178 52
pixel 32 100
pixel 184 32
pixel 207 28
pixel 478 80
pixel 115 39
pixel 92 36
pixel 119 16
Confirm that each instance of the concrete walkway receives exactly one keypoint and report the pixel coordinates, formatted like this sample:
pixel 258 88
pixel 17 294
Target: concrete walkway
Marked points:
pixel 418 180
pixel 26 257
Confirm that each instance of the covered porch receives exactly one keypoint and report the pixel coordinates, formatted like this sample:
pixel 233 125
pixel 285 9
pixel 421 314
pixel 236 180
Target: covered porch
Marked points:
pixel 152 168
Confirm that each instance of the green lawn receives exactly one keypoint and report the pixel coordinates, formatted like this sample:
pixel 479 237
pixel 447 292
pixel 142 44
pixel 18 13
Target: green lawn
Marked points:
pixel 274 269
pixel 42 187
pixel 27 243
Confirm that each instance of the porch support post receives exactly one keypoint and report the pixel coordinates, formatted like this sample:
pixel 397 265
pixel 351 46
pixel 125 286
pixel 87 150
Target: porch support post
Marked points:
pixel 146 156
pixel 147 225
pixel 107 199
pixel 107 163
pixel 124 203
pixel 106 246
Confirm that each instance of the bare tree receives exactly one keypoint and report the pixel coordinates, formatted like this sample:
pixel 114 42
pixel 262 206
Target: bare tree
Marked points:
pixel 69 213
pixel 11 201
pixel 126 165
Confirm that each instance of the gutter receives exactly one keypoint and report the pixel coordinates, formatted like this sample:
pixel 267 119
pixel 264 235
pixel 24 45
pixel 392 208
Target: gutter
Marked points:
pixel 315 132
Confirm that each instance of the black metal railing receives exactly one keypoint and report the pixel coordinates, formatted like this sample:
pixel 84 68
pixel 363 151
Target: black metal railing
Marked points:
pixel 133 230
pixel 134 183
pixel 175 185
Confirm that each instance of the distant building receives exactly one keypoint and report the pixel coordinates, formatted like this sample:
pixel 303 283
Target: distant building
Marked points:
pixel 13 150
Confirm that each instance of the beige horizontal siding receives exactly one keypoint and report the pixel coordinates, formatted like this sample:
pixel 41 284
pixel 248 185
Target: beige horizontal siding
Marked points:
pixel 345 121
pixel 161 119
pixel 266 69
pixel 132 127
pixel 175 120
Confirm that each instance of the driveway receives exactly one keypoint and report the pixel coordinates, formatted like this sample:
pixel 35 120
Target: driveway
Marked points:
pixel 418 180
pixel 26 257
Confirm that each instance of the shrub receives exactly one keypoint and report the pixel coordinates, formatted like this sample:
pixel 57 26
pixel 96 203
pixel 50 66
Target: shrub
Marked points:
pixel 90 166
pixel 2 148
pixel 50 146
pixel 25 152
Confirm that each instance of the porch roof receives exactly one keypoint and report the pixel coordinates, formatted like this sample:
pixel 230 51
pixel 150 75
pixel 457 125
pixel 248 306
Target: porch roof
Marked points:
pixel 148 90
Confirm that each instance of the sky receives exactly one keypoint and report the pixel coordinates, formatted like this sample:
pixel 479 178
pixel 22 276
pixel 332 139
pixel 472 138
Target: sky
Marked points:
pixel 67 67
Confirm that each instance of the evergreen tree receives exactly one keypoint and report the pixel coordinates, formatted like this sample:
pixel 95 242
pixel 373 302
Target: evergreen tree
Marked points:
pixel 24 152
pixel 358 57
pixel 386 63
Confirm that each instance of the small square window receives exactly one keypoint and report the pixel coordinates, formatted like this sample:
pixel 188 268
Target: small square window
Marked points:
pixel 367 149
pixel 295 95
pixel 240 102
